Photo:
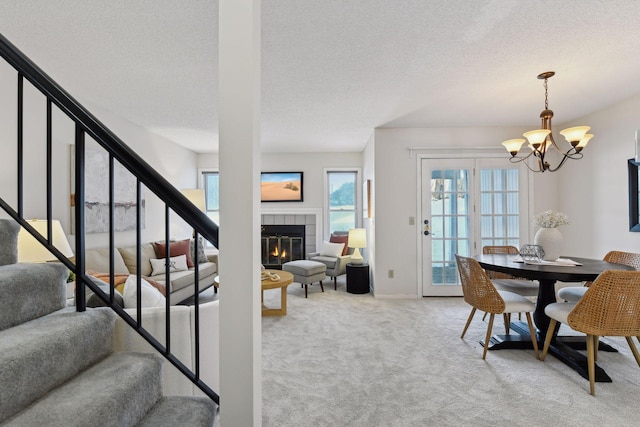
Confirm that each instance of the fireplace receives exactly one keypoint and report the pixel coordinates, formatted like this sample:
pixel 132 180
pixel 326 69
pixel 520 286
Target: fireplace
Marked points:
pixel 282 243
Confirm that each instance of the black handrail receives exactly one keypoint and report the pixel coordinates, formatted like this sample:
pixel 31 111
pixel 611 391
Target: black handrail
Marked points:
pixel 109 141
pixel 86 123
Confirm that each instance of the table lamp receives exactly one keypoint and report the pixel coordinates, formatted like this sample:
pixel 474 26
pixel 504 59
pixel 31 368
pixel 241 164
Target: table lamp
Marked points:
pixel 357 239
pixel 31 250
pixel 195 196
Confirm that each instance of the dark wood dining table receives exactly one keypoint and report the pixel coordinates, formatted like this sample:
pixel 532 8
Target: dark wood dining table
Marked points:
pixel 562 347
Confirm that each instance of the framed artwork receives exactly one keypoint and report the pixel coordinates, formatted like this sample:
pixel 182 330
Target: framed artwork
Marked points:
pixel 97 194
pixel 281 187
pixel 634 195
pixel 366 199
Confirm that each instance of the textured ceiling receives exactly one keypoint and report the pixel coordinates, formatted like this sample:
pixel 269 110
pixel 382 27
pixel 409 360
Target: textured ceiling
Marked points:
pixel 333 70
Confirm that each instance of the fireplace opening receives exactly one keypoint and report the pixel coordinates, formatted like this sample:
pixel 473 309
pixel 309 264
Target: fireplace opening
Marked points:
pixel 282 243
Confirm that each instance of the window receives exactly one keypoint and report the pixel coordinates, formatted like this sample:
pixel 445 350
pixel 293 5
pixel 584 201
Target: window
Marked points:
pixel 342 196
pixel 212 195
pixel 499 207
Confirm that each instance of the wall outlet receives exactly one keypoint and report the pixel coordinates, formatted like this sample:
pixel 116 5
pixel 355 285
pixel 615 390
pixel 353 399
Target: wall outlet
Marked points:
pixel 391 273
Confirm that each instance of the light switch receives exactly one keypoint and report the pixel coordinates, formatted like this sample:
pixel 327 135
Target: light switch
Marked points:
pixel 412 220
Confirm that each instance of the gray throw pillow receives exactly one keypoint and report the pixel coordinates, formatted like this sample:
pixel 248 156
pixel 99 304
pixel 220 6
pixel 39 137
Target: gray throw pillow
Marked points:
pixel 94 300
pixel 200 256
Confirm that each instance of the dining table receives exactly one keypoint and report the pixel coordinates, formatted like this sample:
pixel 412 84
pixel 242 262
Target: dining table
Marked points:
pixel 577 269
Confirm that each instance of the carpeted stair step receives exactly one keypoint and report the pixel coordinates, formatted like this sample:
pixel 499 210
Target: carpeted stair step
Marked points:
pixel 181 411
pixel 29 291
pixel 117 391
pixel 39 355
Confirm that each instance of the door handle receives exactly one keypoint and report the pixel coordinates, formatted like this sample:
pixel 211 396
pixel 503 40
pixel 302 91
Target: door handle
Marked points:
pixel 426 227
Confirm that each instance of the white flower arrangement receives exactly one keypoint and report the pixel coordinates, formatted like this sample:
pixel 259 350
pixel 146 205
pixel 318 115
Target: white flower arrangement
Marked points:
pixel 550 219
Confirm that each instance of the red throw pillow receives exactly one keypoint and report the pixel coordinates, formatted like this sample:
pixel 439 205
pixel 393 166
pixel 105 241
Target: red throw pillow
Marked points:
pixel 176 248
pixel 339 238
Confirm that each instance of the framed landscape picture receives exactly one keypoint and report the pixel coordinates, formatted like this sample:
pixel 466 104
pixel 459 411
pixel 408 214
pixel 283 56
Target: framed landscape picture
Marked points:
pixel 281 187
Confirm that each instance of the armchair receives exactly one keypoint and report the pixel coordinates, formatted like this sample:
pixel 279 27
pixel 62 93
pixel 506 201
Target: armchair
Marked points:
pixel 336 266
pixel 336 262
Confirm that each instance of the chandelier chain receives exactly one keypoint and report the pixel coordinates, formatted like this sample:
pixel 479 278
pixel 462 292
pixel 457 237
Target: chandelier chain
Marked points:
pixel 546 95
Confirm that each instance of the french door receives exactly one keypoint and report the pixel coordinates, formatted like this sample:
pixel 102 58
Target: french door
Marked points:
pixel 466 204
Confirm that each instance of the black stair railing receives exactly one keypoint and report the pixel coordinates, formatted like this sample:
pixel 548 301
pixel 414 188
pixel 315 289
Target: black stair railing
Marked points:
pixel 174 201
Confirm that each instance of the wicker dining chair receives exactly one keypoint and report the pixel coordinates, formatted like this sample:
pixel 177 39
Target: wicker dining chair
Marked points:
pixel 507 282
pixel 574 293
pixel 610 307
pixel 480 293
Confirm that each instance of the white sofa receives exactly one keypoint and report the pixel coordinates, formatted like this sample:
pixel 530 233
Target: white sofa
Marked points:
pixel 181 284
pixel 182 344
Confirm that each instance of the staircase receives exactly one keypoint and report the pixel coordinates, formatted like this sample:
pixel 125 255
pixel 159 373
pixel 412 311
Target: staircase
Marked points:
pixel 57 365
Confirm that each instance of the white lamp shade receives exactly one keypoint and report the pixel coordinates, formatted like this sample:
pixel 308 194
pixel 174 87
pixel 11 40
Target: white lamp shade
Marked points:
pixel 575 133
pixel 357 238
pixel 513 145
pixel 585 140
pixel 196 196
pixel 536 137
pixel 30 250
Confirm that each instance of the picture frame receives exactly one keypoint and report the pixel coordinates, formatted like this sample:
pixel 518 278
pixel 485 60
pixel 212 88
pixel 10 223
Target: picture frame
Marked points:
pixel 634 195
pixel 281 186
pixel 366 199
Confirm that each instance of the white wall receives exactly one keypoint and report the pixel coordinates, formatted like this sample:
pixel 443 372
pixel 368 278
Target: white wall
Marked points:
pixel 395 184
pixel 313 166
pixel 175 163
pixel 594 190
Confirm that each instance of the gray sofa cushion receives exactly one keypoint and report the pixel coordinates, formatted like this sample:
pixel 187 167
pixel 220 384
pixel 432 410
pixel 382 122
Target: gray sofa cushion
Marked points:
pixel 9 230
pixel 182 279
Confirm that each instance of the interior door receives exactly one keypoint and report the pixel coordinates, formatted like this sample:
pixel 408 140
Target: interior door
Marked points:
pixel 447 223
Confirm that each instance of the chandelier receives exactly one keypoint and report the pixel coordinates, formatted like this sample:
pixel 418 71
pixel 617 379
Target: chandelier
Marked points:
pixel 541 141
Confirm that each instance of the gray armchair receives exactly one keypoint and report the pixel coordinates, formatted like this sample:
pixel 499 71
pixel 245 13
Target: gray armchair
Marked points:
pixel 335 265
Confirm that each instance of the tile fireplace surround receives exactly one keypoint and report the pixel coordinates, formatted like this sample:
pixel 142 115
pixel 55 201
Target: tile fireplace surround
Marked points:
pixel 310 218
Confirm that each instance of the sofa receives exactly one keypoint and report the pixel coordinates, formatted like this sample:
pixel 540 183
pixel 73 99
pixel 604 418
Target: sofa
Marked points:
pixel 181 282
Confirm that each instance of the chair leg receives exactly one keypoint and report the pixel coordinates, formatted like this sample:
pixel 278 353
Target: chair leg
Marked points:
pixel 305 290
pixel 488 338
pixel 485 316
pixel 335 283
pixel 532 332
pixel 505 316
pixel 547 340
pixel 634 349
pixel 321 287
pixel 464 331
pixel 591 340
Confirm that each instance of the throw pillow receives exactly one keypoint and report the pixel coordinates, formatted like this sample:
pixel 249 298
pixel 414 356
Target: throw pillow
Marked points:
pixel 150 296
pixel 197 253
pixel 175 248
pixel 341 238
pixel 331 249
pixel 176 263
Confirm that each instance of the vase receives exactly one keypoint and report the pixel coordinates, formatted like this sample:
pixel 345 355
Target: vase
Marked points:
pixel 551 241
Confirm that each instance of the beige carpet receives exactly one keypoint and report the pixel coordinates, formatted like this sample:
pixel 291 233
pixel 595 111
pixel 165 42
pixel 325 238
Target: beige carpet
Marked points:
pixel 339 359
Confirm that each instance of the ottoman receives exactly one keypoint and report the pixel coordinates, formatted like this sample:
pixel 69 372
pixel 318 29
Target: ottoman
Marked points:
pixel 306 272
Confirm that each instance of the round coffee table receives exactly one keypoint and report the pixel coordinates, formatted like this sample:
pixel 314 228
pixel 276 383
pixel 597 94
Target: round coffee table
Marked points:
pixel 285 280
